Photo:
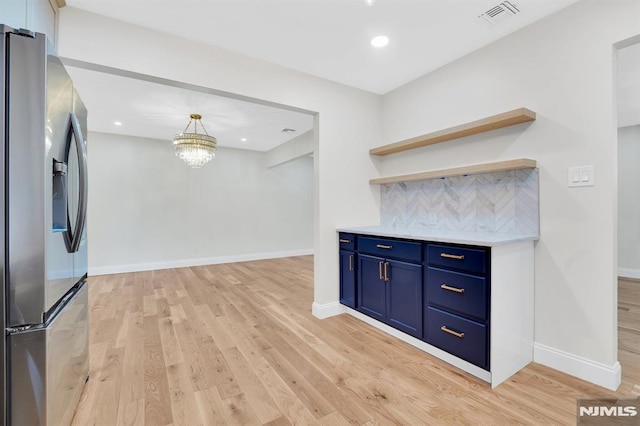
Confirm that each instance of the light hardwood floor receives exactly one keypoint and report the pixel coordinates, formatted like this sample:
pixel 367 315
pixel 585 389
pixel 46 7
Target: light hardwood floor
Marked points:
pixel 236 344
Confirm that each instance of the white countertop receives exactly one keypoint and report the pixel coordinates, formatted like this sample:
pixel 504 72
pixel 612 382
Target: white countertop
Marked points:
pixel 459 237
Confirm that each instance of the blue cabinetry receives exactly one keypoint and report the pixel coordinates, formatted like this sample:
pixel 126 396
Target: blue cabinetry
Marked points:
pixel 470 305
pixel 456 309
pixel 372 287
pixel 457 335
pixel 436 292
pixel 348 265
pixel 404 297
pixel 390 289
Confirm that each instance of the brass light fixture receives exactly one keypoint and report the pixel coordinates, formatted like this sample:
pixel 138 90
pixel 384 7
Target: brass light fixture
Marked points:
pixel 195 149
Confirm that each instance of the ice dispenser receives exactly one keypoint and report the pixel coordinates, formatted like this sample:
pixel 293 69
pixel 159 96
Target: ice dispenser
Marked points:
pixel 59 193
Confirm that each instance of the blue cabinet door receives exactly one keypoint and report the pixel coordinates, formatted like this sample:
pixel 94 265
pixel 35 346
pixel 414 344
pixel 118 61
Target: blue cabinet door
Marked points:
pixel 348 278
pixel 371 287
pixel 404 297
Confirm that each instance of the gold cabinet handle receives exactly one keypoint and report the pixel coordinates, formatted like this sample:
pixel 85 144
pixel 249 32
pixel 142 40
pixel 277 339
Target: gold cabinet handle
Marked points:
pixel 386 271
pixel 345 241
pixel 380 271
pixel 455 333
pixel 452 256
pixel 383 246
pixel 350 263
pixel 454 289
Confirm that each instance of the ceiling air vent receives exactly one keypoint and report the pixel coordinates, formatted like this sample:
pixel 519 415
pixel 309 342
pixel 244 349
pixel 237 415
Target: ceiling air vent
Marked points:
pixel 499 12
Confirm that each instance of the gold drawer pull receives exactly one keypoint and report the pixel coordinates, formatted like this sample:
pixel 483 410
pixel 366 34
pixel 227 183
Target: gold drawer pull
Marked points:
pixel 382 246
pixel 345 241
pixel 454 289
pixel 452 256
pixel 380 271
pixel 350 263
pixel 455 333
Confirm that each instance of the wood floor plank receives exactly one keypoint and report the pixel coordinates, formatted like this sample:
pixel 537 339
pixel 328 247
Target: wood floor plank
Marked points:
pixel 132 383
pixel 236 344
pixel 185 407
pixel 253 388
pixel 313 400
pixel 105 404
pixel 131 413
pixel 170 344
pixel 210 407
pixel 238 411
pixel 201 377
pixel 157 404
pixel 215 327
pixel 285 400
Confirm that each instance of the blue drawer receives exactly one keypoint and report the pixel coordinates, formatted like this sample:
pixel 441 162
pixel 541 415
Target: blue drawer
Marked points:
pixel 456 291
pixel 454 257
pixel 461 337
pixel 347 241
pixel 403 250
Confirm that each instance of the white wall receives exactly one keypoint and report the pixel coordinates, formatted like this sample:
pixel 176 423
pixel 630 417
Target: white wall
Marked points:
pixel 348 120
pixel 562 68
pixel 149 210
pixel 628 101
pixel 629 201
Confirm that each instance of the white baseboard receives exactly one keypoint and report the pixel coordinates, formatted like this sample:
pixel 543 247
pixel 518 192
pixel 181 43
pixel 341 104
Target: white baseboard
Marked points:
pixel 629 273
pixel 185 263
pixel 607 376
pixel 327 310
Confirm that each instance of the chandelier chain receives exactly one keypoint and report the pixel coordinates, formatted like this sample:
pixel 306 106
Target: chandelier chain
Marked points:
pixel 188 124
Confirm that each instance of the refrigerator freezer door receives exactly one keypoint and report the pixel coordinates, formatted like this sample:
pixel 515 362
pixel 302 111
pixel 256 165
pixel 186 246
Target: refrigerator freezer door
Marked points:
pixel 50 366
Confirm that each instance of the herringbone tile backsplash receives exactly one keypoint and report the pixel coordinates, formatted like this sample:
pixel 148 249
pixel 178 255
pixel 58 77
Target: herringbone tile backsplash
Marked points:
pixel 502 202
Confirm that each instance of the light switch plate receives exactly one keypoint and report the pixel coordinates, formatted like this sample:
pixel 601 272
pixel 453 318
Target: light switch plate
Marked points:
pixel 581 176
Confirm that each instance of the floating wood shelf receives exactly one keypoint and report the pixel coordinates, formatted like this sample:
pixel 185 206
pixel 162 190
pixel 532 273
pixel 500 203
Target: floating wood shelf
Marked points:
pixel 501 166
pixel 510 118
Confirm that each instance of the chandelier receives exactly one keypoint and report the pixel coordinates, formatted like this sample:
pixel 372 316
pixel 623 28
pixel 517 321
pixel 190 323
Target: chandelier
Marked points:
pixel 195 149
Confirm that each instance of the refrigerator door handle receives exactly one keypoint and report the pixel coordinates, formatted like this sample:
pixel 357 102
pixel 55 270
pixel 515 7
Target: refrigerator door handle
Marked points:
pixel 73 241
pixel 82 202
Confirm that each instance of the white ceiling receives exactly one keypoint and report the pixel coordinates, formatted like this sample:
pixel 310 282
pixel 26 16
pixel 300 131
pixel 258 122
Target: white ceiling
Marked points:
pixel 325 38
pixel 159 111
pixel 629 86
pixel 330 38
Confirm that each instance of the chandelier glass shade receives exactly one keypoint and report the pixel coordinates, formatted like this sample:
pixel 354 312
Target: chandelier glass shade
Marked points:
pixel 195 149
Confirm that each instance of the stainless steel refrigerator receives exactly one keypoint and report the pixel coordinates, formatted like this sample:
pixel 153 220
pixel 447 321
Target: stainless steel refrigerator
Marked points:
pixel 44 248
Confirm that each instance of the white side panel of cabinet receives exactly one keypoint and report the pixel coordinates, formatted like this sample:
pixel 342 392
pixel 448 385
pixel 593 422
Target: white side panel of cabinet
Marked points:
pixel 41 18
pixel 13 13
pixel 512 303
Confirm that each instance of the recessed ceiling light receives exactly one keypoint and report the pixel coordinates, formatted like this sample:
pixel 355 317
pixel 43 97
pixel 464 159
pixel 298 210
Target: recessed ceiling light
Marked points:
pixel 380 41
pixel 243 139
pixel 369 2
pixel 117 123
